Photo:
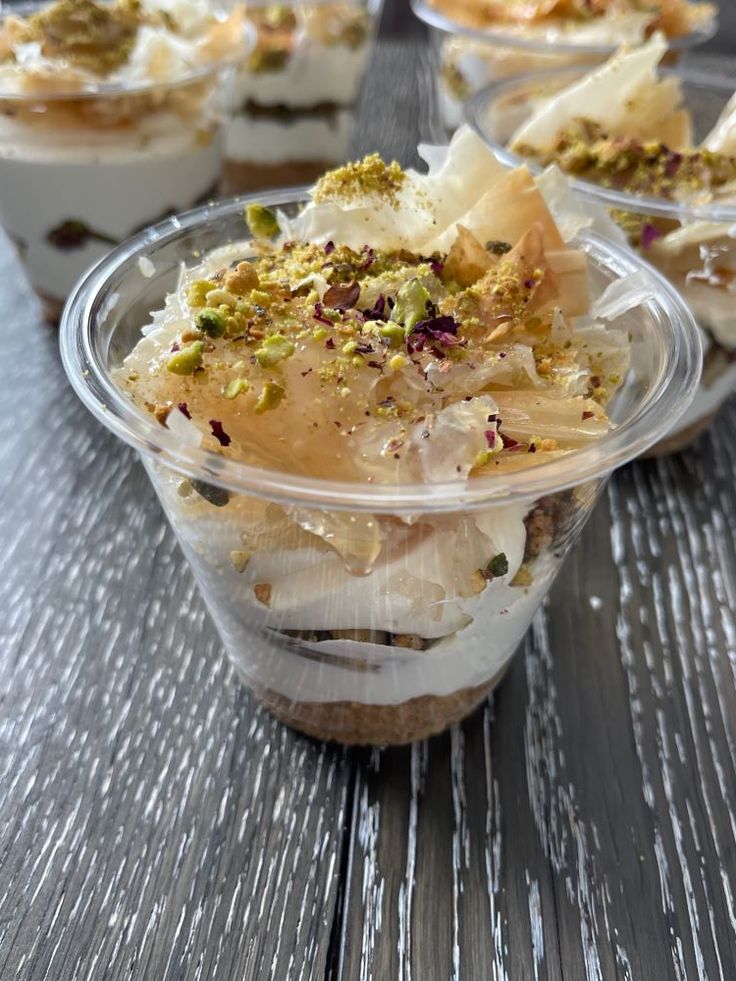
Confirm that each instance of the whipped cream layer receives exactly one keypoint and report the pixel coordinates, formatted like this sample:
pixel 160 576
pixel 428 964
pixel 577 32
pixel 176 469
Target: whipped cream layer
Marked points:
pixel 372 674
pixel 112 191
pixel 271 141
pixel 411 590
pixel 315 74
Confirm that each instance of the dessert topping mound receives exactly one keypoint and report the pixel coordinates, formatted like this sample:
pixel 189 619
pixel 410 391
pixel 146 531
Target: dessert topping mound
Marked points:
pixel 96 36
pixel 370 176
pixel 373 339
pixel 628 163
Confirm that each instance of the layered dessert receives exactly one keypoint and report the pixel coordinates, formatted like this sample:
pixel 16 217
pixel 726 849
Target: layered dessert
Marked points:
pixel 403 332
pixel 635 138
pixel 109 120
pixel 480 41
pixel 295 95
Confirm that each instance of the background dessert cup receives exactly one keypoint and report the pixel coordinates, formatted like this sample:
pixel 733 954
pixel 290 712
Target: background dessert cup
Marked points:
pixel 337 639
pixel 84 166
pixel 467 59
pixel 295 95
pixel 698 251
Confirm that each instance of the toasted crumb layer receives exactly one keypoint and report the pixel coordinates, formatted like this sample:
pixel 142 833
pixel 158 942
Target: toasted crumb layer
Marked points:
pixel 358 724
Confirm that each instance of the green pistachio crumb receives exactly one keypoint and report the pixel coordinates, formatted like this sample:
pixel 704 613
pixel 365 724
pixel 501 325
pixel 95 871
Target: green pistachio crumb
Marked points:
pixel 261 298
pixel 498 248
pixel 197 293
pixel 498 566
pixel 211 322
pixel 187 360
pixel 523 577
pixel 393 332
pixel 217 496
pixel 411 304
pixel 274 349
pixel 271 395
pixel 349 347
pixel 262 221
pixel 236 387
pixel 239 559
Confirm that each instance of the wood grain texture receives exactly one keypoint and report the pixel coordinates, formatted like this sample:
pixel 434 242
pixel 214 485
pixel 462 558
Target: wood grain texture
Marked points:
pixel 156 825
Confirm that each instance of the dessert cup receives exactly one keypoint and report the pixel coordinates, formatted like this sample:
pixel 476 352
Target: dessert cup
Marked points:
pixel 467 59
pixel 335 640
pixel 296 93
pixel 497 111
pixel 83 166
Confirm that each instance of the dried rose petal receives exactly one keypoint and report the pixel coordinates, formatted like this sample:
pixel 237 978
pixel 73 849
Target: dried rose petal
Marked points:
pixel 342 297
pixel 184 409
pixel 319 314
pixel 219 433
pixel 649 235
pixel 509 443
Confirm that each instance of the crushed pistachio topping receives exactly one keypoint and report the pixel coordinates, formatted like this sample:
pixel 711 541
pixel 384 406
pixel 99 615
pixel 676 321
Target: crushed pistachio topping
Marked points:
pixel 378 362
pixel 187 359
pixel 280 33
pixel 97 36
pixel 274 349
pixel 271 395
pixel 673 17
pixel 262 222
pixel 371 175
pixel 637 166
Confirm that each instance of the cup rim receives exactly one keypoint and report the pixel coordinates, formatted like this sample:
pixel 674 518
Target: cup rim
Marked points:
pixel 88 91
pixel 623 200
pixel 434 18
pixel 671 393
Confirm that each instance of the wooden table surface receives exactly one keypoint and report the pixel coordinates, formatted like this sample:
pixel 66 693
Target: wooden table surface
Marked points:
pixel 155 824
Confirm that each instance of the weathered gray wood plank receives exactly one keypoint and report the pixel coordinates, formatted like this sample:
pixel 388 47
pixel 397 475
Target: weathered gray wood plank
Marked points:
pixel 155 823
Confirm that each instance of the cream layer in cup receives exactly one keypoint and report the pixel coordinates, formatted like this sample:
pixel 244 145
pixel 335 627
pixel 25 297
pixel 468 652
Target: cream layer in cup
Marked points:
pixel 401 329
pixel 295 95
pixel 109 119
pixel 480 41
pixel 629 130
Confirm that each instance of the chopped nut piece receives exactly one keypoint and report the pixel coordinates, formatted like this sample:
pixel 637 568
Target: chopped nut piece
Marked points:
pixel 211 322
pixel 262 592
pixel 395 333
pixel 198 290
pixel 262 222
pixel 412 641
pixel 411 304
pixel 242 279
pixel 161 413
pixel 187 360
pixel 240 559
pixel 216 496
pixel 271 395
pixel 274 349
pixel 236 387
pixel 497 567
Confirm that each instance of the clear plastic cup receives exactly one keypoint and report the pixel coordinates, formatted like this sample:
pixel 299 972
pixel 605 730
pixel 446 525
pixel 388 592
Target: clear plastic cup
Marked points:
pixel 296 94
pixel 498 110
pixel 358 612
pixel 467 59
pixel 84 168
